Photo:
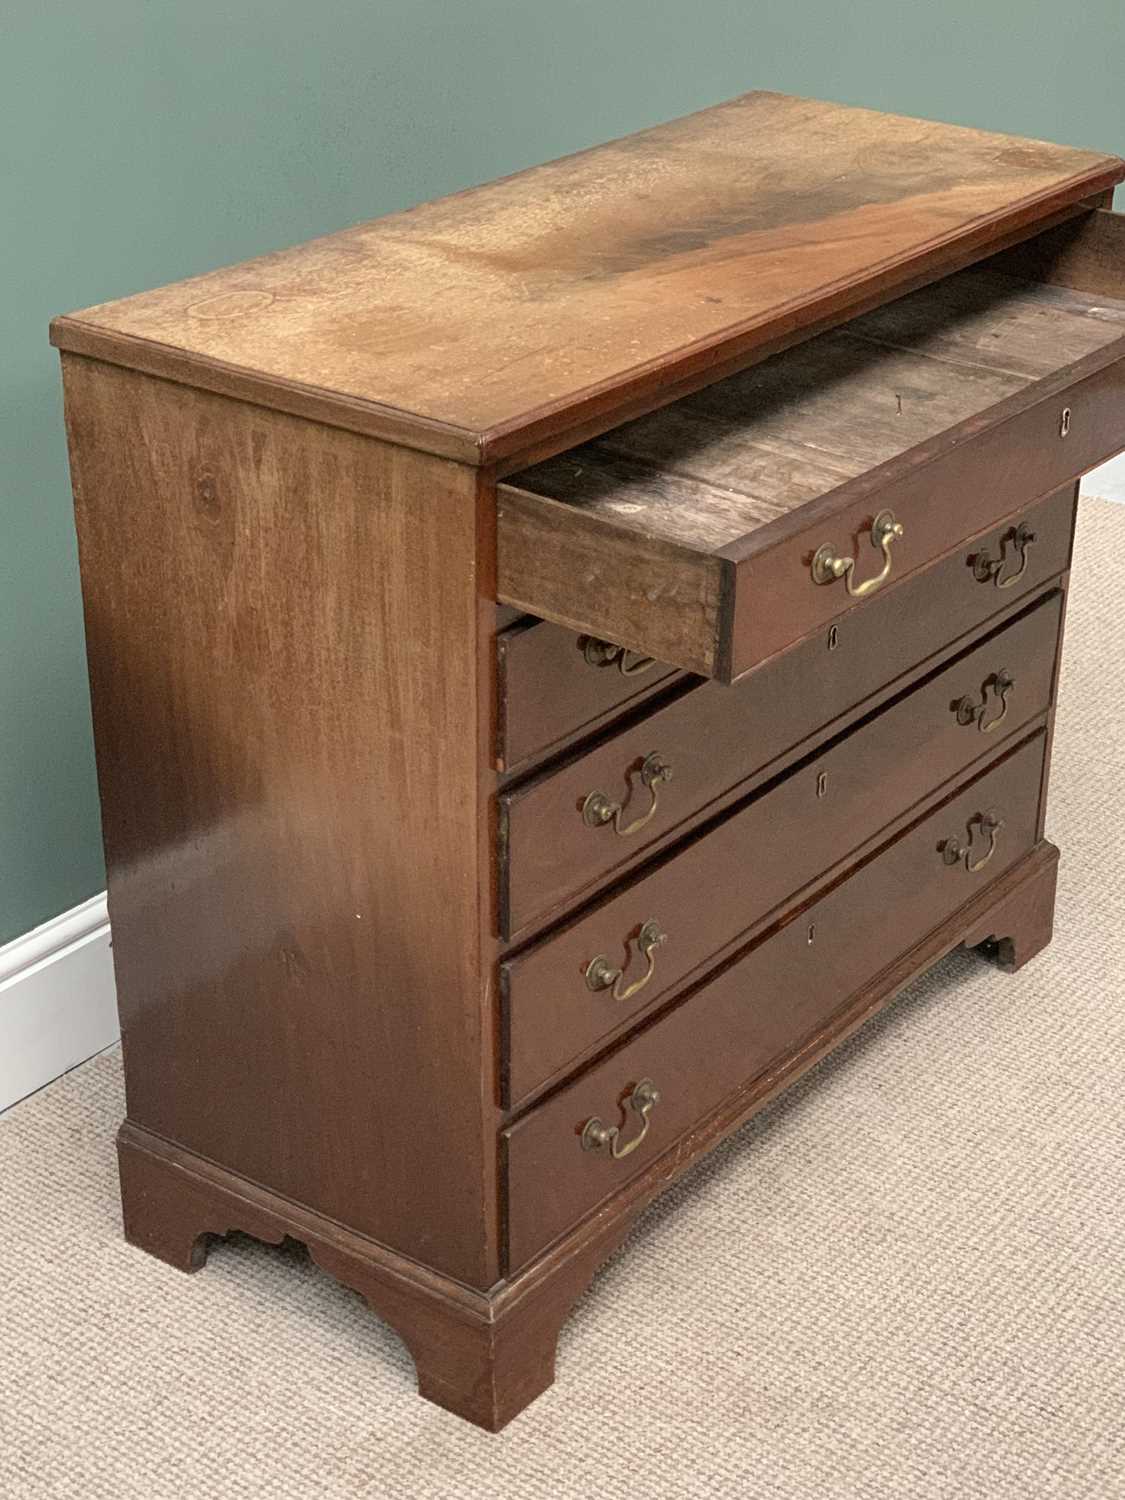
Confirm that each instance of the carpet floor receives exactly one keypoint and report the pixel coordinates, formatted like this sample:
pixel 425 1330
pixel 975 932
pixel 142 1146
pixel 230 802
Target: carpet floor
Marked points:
pixel 906 1278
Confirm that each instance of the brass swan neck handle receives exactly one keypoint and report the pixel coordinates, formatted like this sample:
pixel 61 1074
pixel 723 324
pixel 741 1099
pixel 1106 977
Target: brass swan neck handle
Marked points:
pixel 989 569
pixel 597 1136
pixel 601 974
pixel 969 712
pixel 828 564
pixel 954 852
pixel 599 653
pixel 598 808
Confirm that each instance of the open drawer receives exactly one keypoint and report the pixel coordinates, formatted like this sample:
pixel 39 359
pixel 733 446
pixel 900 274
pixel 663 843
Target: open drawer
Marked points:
pixel 727 526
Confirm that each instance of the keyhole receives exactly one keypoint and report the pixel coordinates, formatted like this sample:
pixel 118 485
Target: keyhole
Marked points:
pixel 833 638
pixel 1064 422
pixel 812 933
pixel 822 784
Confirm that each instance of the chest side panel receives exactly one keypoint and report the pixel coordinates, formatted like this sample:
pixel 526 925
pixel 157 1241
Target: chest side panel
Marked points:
pixel 292 807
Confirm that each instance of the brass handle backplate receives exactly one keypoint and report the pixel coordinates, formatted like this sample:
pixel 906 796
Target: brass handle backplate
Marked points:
pixel 828 564
pixel 954 852
pixel 605 654
pixel 968 711
pixel 606 1139
pixel 989 569
pixel 598 808
pixel 601 974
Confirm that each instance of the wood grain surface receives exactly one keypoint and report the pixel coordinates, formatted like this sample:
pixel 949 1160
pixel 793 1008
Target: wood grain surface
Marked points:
pixel 469 324
pixel 289 638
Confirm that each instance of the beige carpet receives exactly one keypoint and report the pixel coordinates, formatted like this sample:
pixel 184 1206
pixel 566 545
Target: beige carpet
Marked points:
pixel 906 1278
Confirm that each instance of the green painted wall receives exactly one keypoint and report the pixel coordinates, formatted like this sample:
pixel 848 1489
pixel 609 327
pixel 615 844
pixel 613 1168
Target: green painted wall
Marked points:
pixel 145 140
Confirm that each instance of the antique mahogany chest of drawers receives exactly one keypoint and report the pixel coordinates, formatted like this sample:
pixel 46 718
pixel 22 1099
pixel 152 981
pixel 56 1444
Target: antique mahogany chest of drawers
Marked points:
pixel 562 657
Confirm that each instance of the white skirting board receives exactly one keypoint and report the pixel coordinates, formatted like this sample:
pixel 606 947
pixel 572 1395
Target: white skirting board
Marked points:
pixel 57 999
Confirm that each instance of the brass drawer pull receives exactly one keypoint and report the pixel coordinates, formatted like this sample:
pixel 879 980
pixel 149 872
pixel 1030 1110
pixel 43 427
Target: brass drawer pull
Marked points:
pixel 599 808
pixel 988 569
pixel 828 565
pixel 953 851
pixel 969 712
pixel 604 654
pixel 597 1136
pixel 600 973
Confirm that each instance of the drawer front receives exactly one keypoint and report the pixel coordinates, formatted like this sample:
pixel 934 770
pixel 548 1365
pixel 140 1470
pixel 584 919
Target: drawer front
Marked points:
pixel 964 485
pixel 554 684
pixel 577 987
pixel 762 1007
pixel 716 737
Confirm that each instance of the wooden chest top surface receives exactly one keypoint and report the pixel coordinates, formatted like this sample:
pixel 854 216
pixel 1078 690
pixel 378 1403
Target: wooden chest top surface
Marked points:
pixel 480 323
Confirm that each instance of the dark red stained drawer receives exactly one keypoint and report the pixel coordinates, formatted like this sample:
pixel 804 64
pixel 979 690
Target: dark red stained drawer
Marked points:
pixel 715 737
pixel 764 1006
pixel 554 685
pixel 705 897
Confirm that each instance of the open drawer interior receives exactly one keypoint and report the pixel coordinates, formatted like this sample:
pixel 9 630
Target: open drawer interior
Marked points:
pixel 690 534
